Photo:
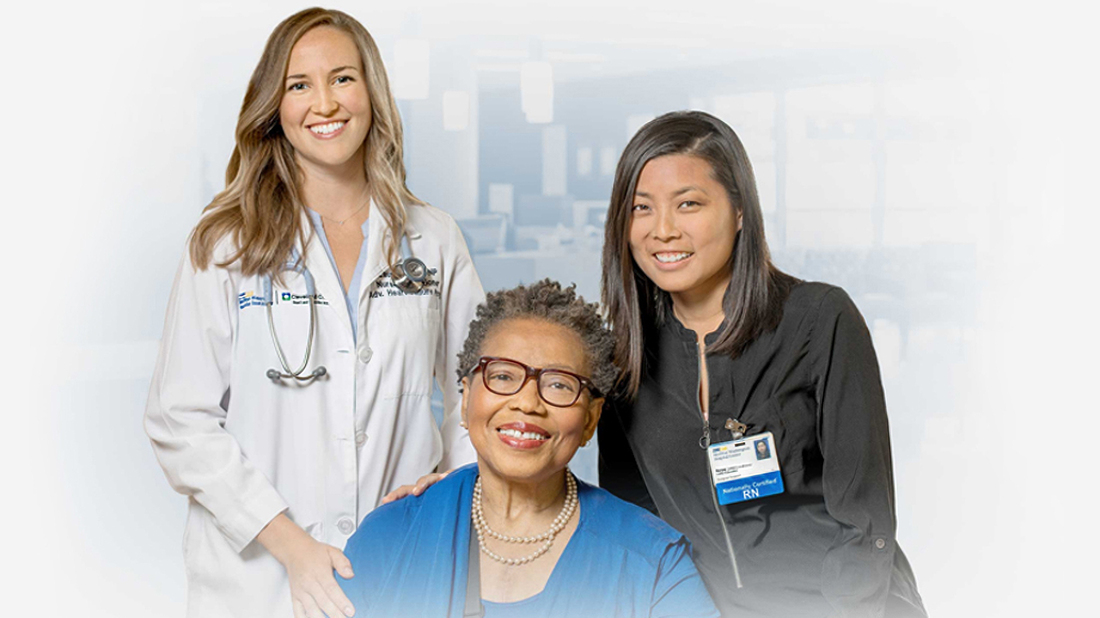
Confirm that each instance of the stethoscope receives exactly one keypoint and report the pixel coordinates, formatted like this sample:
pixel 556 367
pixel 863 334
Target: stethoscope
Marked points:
pixel 413 271
pixel 409 275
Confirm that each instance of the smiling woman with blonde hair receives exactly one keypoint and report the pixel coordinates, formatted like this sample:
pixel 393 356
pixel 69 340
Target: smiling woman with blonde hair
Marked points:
pixel 262 205
pixel 317 304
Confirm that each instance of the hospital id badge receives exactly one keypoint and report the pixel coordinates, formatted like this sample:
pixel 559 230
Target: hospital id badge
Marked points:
pixel 745 469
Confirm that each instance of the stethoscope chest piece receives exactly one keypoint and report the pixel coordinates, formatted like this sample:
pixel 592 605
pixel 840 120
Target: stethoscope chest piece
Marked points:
pixel 410 273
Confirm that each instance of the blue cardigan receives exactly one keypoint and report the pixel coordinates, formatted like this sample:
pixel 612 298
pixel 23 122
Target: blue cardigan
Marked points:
pixel 411 558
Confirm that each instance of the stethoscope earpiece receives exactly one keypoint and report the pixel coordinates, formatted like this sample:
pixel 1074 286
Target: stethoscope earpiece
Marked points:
pixel 276 376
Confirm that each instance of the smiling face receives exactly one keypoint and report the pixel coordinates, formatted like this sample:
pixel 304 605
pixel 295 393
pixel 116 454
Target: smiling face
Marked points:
pixel 325 111
pixel 682 226
pixel 520 438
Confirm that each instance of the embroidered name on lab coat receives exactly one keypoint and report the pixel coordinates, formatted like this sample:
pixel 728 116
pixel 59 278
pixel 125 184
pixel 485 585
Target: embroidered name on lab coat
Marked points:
pixel 384 286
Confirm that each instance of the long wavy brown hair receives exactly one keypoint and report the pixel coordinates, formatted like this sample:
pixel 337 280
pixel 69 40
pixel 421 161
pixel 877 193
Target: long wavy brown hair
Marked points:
pixel 261 208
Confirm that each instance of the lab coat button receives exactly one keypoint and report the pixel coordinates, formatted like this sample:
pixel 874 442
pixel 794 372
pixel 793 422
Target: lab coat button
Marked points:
pixel 346 526
pixel 880 543
pixel 365 354
pixel 360 438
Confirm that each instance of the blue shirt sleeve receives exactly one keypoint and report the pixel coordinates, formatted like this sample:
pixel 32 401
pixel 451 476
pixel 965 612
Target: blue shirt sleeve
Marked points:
pixel 408 555
pixel 372 540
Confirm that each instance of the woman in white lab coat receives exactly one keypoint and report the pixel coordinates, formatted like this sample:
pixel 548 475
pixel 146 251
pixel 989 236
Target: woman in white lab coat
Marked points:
pixel 279 470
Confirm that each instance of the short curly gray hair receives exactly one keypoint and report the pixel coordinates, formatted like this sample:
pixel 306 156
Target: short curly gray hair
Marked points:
pixel 545 300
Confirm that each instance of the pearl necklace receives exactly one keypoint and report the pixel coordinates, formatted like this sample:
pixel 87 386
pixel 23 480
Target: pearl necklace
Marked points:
pixel 547 538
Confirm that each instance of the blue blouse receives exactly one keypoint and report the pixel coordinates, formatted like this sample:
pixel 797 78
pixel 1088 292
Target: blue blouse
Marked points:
pixel 411 558
pixel 351 295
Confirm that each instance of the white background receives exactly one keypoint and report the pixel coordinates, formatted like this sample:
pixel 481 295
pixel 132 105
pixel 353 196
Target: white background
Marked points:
pixel 119 121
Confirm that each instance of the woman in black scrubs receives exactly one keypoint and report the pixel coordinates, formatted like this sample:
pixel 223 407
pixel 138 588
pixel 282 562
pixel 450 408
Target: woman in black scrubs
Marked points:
pixel 715 342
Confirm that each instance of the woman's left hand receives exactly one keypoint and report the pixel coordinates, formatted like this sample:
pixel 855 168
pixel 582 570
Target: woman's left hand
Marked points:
pixel 415 489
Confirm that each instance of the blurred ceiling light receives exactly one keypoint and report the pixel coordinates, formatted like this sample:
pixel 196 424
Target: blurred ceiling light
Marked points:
pixel 411 59
pixel 536 89
pixel 456 110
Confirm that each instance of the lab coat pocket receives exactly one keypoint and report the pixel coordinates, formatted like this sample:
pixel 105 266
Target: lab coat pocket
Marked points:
pixel 407 335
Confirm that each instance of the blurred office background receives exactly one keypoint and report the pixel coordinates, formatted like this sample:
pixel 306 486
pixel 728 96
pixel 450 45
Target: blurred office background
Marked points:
pixel 925 156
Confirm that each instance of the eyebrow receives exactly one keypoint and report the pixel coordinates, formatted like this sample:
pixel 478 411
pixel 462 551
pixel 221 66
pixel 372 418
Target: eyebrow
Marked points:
pixel 332 72
pixel 674 193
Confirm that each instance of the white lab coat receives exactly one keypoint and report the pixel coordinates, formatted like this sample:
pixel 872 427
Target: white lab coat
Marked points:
pixel 243 449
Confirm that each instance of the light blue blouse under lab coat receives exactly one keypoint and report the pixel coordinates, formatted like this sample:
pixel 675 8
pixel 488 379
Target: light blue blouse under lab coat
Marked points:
pixel 351 295
pixel 411 558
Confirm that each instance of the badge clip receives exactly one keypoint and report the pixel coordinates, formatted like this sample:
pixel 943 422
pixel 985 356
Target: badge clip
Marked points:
pixel 736 428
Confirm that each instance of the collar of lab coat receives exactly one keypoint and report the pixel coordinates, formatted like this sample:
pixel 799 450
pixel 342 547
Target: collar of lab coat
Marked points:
pixel 376 256
pixel 328 282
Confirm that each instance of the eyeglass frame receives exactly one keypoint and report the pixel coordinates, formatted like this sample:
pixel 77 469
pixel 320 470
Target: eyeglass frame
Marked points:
pixel 536 374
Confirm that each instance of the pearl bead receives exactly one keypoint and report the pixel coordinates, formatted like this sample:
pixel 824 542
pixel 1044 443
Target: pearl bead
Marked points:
pixel 482 527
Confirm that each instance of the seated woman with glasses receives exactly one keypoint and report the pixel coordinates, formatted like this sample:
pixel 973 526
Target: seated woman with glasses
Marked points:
pixel 516 534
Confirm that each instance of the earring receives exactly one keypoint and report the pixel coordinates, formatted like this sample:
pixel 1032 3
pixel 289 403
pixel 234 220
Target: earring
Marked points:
pixel 462 424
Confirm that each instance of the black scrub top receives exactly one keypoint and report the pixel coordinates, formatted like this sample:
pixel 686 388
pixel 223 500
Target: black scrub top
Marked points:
pixel 826 545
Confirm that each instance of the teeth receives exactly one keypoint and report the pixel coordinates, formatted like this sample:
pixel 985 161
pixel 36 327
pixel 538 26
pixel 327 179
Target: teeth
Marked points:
pixel 667 258
pixel 325 129
pixel 522 435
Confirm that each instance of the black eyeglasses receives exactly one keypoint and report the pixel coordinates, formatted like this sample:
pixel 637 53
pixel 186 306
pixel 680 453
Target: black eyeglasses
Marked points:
pixel 557 387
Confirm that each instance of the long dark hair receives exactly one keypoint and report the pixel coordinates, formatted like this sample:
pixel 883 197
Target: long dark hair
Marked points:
pixel 753 302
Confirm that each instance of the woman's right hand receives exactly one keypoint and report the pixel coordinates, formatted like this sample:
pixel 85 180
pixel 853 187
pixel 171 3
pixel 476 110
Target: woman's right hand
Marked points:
pixel 309 565
pixel 416 488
